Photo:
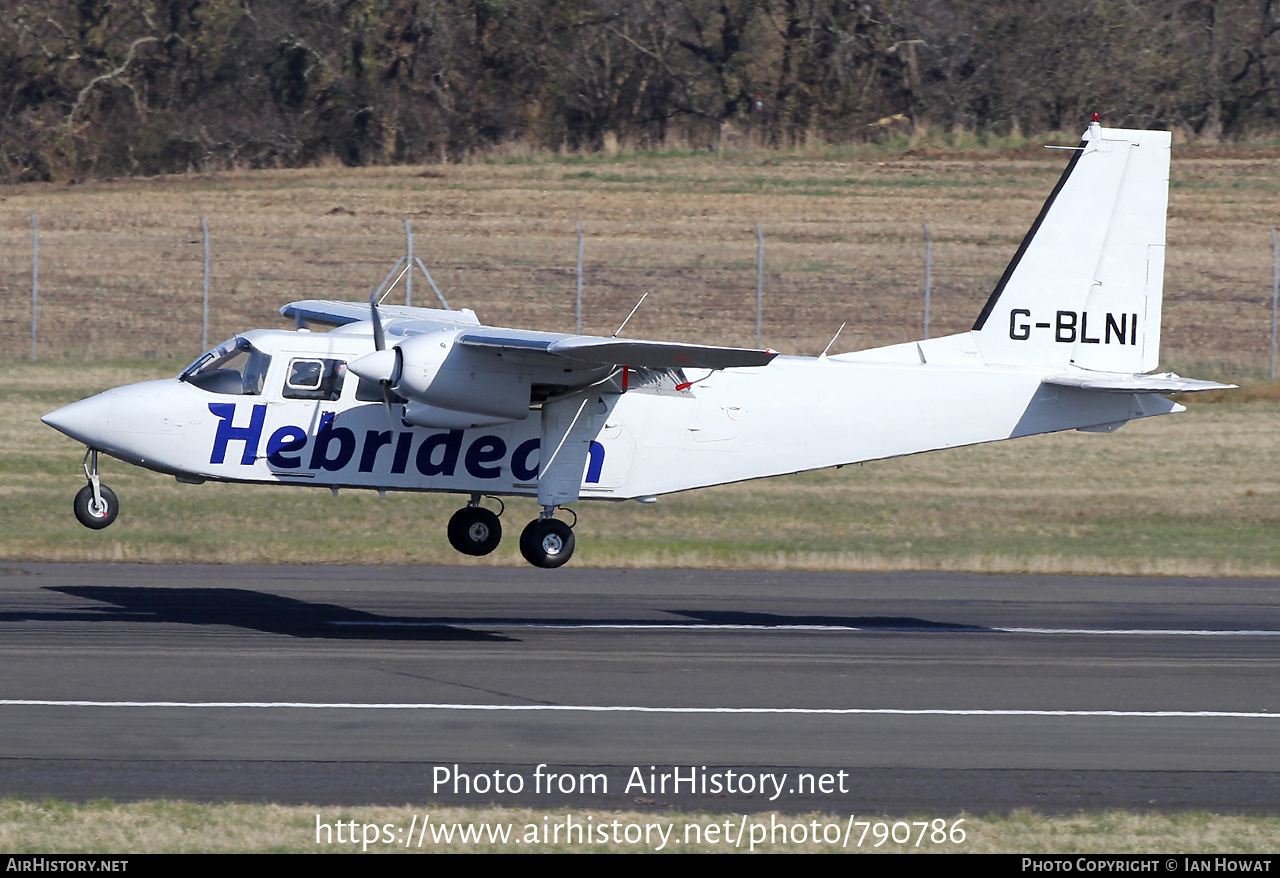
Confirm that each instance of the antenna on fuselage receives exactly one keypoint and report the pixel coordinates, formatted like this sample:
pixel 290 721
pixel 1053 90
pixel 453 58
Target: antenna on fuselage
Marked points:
pixel 823 355
pixel 629 316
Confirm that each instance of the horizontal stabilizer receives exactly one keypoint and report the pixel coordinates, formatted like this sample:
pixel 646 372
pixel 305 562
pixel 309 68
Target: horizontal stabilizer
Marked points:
pixel 1118 382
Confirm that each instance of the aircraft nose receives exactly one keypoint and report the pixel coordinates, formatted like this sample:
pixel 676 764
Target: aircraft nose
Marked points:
pixel 85 421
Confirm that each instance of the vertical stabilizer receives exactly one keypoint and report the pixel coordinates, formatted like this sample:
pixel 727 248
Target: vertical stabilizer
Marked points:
pixel 1086 284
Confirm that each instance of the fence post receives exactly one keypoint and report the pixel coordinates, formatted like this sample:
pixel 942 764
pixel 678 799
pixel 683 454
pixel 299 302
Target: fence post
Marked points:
pixel 408 279
pixel 1275 297
pixel 928 275
pixel 759 285
pixel 204 301
pixel 577 308
pixel 35 282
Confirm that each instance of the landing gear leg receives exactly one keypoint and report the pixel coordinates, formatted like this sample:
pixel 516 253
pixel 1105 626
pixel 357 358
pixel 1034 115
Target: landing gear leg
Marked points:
pixel 546 542
pixel 474 530
pixel 95 505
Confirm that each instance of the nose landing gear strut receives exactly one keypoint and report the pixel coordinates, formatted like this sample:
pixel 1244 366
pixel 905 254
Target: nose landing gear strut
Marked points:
pixel 95 505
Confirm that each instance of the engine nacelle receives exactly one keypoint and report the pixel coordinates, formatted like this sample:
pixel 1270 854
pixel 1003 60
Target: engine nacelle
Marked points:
pixel 440 377
pixel 422 415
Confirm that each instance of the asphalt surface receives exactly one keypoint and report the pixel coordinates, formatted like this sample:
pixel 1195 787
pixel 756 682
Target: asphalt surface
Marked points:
pixel 910 693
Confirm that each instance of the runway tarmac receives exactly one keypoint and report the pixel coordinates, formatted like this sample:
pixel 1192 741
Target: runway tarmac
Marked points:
pixel 852 693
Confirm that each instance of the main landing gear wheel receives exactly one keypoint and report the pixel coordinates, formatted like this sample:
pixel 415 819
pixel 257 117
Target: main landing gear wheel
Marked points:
pixel 474 530
pixel 546 542
pixel 93 514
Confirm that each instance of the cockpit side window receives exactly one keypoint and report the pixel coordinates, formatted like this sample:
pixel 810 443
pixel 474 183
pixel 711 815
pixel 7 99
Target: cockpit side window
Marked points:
pixel 314 378
pixel 234 367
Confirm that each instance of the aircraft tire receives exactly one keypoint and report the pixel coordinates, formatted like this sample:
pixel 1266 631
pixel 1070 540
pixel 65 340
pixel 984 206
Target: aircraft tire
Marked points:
pixel 474 530
pixel 91 516
pixel 546 542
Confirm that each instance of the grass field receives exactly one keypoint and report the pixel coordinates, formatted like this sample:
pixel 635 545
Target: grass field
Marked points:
pixel 183 827
pixel 121 260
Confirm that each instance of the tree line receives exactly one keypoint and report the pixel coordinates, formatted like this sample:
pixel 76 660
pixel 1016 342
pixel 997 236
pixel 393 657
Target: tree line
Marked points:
pixel 108 87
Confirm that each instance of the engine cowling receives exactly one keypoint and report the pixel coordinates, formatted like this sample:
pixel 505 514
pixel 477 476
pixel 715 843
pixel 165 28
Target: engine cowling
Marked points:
pixel 448 385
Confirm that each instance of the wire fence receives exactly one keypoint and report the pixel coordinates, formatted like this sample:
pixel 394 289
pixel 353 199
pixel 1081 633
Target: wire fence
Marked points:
pixel 163 290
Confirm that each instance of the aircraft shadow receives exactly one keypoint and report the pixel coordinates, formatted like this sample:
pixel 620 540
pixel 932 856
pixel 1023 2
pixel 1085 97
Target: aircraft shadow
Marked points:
pixel 256 611
pixel 274 614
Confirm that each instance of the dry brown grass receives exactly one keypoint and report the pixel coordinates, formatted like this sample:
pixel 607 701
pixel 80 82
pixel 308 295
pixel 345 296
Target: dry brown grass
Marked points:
pixel 184 827
pixel 121 259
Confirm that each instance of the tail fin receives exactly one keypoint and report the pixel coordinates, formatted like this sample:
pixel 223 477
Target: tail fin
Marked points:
pixel 1086 285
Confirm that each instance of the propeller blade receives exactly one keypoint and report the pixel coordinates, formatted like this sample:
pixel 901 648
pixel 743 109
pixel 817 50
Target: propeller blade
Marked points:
pixel 386 401
pixel 379 337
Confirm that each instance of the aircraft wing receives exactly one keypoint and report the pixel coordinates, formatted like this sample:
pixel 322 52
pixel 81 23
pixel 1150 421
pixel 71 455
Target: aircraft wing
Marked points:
pixel 332 313
pixel 529 345
pixel 1118 382
pixel 616 351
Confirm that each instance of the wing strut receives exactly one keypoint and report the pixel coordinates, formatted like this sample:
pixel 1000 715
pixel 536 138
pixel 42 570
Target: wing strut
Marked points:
pixel 568 425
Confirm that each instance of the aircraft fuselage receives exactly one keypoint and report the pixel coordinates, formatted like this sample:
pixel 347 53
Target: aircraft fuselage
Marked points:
pixel 796 414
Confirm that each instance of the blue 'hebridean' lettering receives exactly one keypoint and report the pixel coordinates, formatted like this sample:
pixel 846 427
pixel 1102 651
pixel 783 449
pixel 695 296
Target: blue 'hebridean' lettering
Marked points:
pixel 595 461
pixel 373 440
pixel 282 440
pixel 485 450
pixel 401 460
pixel 520 460
pixel 336 447
pixel 250 435
pixel 325 437
pixel 448 444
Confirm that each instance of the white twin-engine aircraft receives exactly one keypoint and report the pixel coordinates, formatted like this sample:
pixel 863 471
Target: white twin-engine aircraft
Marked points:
pixel 419 399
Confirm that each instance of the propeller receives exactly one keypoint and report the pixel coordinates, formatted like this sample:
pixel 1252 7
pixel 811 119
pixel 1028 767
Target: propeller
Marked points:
pixel 383 365
pixel 379 337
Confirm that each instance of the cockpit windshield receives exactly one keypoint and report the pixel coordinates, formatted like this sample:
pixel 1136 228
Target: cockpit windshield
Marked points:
pixel 233 367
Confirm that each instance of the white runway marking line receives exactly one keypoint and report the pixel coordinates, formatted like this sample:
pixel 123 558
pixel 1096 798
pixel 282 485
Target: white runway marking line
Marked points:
pixel 585 708
pixel 852 629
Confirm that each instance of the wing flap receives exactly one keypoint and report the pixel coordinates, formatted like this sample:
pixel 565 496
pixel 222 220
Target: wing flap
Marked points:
pixel 658 354
pixel 597 350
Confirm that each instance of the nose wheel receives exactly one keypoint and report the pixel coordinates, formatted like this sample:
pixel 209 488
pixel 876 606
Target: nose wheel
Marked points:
pixel 98 512
pixel 546 542
pixel 474 530
pixel 95 505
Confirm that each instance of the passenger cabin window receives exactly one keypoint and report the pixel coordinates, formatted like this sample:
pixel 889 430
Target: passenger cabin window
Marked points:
pixel 234 367
pixel 314 378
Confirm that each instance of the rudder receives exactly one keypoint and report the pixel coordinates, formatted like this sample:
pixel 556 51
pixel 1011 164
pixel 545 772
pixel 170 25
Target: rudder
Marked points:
pixel 1086 285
